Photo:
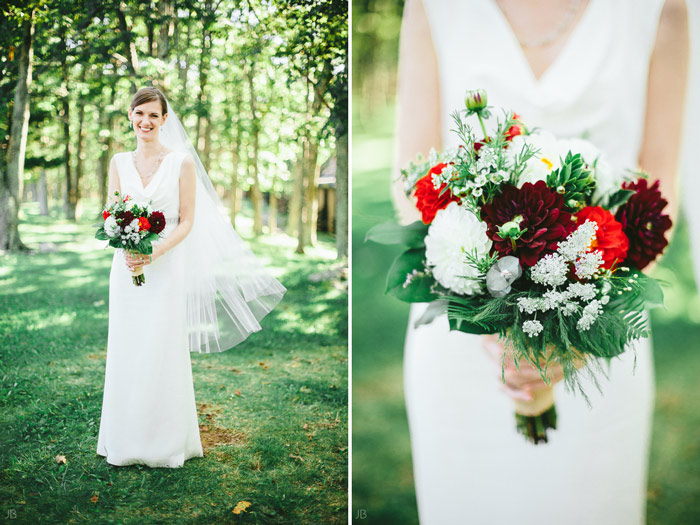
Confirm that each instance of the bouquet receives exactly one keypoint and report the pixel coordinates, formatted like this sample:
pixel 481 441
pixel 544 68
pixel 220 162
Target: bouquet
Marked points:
pixel 534 238
pixel 131 226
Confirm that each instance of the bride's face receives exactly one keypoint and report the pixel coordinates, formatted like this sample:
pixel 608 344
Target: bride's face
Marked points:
pixel 147 119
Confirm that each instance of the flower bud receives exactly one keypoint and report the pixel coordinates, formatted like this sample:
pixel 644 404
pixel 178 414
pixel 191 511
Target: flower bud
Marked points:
pixel 476 99
pixel 511 229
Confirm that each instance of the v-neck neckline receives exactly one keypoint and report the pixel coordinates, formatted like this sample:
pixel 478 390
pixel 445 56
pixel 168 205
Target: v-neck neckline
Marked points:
pixel 571 39
pixel 153 178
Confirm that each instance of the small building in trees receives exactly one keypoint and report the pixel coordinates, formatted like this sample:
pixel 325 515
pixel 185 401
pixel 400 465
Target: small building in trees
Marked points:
pixel 326 196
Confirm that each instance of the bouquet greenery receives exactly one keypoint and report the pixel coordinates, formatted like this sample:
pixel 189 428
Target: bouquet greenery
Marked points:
pixel 534 238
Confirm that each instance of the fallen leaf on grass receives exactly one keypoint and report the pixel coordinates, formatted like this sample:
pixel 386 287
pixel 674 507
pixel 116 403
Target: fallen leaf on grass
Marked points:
pixel 61 460
pixel 241 506
pixel 94 498
pixel 305 426
pixel 296 457
pixel 238 393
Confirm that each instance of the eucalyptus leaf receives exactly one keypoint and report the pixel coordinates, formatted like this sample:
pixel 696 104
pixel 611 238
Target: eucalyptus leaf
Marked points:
pixel 412 235
pixel 619 198
pixel 418 290
pixel 652 294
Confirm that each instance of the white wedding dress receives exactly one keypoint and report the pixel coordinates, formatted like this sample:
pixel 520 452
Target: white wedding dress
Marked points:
pixel 470 465
pixel 149 415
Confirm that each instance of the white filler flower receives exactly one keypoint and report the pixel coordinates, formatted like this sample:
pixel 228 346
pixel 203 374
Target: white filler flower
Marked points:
pixel 454 232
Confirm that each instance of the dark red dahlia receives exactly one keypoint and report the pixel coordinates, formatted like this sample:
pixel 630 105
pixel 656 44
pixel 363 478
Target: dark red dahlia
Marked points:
pixel 124 218
pixel 539 212
pixel 644 223
pixel 157 220
pixel 429 199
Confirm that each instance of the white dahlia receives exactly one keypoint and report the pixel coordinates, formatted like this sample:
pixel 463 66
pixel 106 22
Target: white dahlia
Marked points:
pixel 545 160
pixel 111 226
pixel 453 233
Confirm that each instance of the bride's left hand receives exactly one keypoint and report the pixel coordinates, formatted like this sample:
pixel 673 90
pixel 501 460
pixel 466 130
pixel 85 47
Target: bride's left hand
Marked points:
pixel 135 261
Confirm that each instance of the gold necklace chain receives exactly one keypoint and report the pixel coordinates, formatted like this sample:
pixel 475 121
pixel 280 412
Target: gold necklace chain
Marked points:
pixel 153 170
pixel 562 27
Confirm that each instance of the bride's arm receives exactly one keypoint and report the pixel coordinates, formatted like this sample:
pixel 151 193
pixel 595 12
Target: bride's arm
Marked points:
pixel 666 91
pixel 418 101
pixel 112 182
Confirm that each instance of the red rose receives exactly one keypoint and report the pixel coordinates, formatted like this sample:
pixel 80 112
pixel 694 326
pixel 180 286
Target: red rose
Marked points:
pixel 144 224
pixel 429 199
pixel 609 239
pixel 105 214
pixel 126 198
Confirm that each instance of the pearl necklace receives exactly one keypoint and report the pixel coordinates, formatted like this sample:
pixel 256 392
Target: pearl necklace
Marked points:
pixel 148 178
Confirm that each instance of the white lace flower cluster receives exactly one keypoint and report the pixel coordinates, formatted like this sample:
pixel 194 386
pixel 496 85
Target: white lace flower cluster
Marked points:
pixel 454 232
pixel 132 233
pixel 486 170
pixel 551 271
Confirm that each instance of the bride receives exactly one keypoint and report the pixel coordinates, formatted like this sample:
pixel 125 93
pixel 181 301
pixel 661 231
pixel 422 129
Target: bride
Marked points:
pixel 594 68
pixel 204 291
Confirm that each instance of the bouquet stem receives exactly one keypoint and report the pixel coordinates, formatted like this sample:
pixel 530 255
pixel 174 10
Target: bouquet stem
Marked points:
pixel 534 418
pixel 138 278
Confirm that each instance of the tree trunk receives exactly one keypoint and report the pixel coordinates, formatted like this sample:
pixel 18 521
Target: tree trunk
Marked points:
pixel 11 180
pixel 272 212
pixel 43 194
pixel 295 202
pixel 202 106
pixel 183 70
pixel 312 172
pixel 236 154
pixel 80 153
pixel 167 27
pixel 341 194
pixel 69 193
pixel 301 210
pixel 311 201
pixel 132 59
pixel 255 194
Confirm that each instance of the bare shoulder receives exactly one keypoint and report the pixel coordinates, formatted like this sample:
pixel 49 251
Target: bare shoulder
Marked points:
pixel 674 17
pixel 187 169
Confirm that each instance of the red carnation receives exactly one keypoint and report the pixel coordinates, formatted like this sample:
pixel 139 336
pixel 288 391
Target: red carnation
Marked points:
pixel 540 216
pixel 429 199
pixel 157 220
pixel 105 214
pixel 124 218
pixel 609 238
pixel 144 224
pixel 643 222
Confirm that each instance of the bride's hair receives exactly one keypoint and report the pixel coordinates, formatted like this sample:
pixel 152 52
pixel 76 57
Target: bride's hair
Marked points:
pixel 148 94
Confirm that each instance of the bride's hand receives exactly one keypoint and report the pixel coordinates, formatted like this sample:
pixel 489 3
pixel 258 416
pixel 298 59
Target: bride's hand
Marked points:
pixel 521 381
pixel 135 261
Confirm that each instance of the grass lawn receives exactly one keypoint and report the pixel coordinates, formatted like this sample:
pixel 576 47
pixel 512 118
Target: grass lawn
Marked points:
pixel 272 411
pixel 382 471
